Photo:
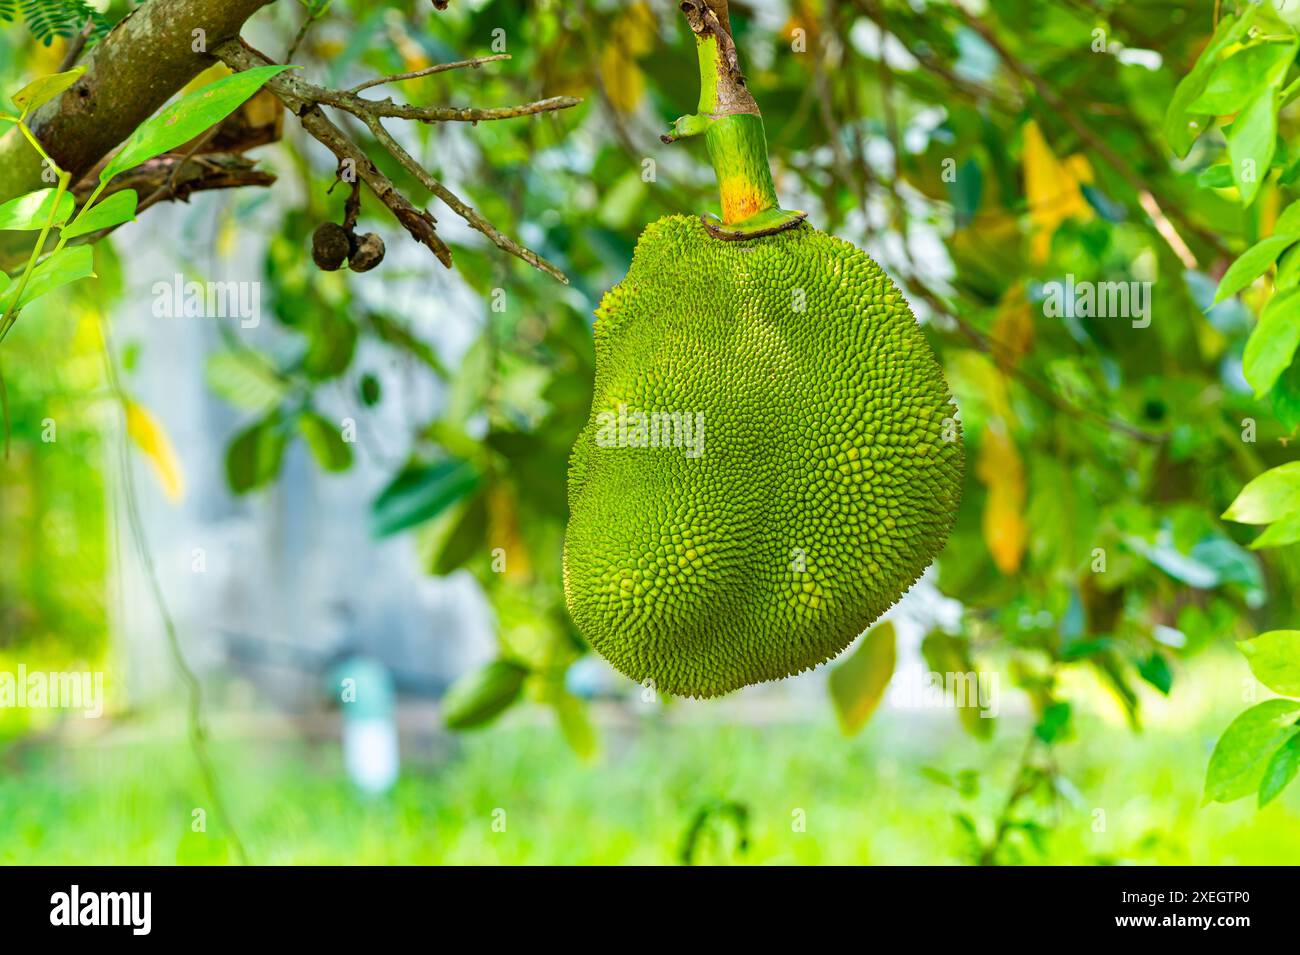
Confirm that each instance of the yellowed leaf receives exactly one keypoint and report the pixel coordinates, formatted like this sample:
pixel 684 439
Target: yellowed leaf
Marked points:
pixel 632 35
pixel 1052 187
pixel 504 532
pixel 149 436
pixel 1001 470
pixel 1013 326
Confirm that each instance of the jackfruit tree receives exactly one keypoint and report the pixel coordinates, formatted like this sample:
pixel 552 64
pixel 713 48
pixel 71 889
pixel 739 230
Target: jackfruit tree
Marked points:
pixel 793 463
pixel 1001 164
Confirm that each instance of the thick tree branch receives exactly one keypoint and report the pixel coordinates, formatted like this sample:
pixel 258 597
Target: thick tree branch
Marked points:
pixel 142 62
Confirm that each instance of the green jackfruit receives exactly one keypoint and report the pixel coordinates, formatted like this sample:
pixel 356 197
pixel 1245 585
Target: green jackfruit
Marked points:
pixel 771 461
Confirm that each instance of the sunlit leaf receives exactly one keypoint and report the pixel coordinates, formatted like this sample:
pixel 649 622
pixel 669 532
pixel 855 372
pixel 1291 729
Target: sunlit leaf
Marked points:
pixel 1274 658
pixel 1279 772
pixel 325 440
pixel 1243 751
pixel 40 91
pixel 188 117
pixel 1251 141
pixel 31 213
pixel 1273 495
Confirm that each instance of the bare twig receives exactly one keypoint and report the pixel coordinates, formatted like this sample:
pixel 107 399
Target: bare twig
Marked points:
pixel 474 63
pixel 458 205
pixel 305 99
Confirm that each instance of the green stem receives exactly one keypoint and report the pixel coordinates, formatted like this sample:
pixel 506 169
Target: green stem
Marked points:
pixel 732 126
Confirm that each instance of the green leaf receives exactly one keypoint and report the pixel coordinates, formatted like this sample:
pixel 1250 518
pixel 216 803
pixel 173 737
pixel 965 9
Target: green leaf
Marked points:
pixel 1251 142
pixel 1274 658
pixel 1272 342
pixel 1054 724
pixel 1288 270
pixel 1281 769
pixel 575 723
pixel 1155 670
pixel 857 684
pixel 188 117
pixel 1288 223
pixel 420 493
pixel 467 537
pixel 1215 177
pixel 40 91
pixel 61 268
pixel 1251 264
pixel 245 382
pixel 946 654
pixel 1242 753
pixel 116 209
pixel 1284 531
pixel 1181 125
pixel 325 441
pixel 31 212
pixel 478 698
pixel 1242 75
pixel 253 458
pixel 1271 496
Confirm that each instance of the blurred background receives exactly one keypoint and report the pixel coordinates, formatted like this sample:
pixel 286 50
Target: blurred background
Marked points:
pixel 278 616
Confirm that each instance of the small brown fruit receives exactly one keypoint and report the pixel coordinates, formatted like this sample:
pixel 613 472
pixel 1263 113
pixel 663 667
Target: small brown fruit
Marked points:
pixel 368 253
pixel 329 246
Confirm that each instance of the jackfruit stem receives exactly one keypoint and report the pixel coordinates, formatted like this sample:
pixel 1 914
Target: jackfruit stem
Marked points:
pixel 732 126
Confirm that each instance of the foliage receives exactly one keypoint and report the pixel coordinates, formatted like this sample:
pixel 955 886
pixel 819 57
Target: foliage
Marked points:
pixel 47 19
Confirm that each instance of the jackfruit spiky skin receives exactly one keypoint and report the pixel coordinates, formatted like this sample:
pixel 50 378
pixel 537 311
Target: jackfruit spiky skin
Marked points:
pixel 824 486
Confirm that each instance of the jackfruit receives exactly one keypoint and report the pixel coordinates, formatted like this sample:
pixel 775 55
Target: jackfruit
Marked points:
pixel 772 458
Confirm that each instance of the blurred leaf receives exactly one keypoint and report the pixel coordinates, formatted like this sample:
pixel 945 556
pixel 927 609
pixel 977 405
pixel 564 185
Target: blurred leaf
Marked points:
pixel 1052 189
pixel 949 655
pixel 1274 658
pixel 1054 724
pixel 40 91
pixel 1000 468
pixel 1240 757
pixel 575 723
pixel 149 436
pixel 1155 670
pixel 467 537
pixel 857 684
pixel 187 118
pixel 253 458
pixel 332 341
pixel 1280 533
pixel 31 212
pixel 420 493
pixel 325 441
pixel 1279 772
pixel 116 209
pixel 479 697
pixel 245 381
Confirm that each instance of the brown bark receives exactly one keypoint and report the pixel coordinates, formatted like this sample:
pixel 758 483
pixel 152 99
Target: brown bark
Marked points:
pixel 130 74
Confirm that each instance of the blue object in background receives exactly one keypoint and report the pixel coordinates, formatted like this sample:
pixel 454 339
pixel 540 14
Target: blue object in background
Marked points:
pixel 364 688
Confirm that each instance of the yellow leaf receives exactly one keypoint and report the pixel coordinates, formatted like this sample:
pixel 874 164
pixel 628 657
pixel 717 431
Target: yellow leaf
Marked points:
pixel 624 82
pixel 857 684
pixel 1013 326
pixel 1003 473
pixel 504 532
pixel 152 440
pixel 632 35
pixel 1053 189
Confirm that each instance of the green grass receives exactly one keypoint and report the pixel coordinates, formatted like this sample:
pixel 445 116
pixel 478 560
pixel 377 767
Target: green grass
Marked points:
pixel 865 800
